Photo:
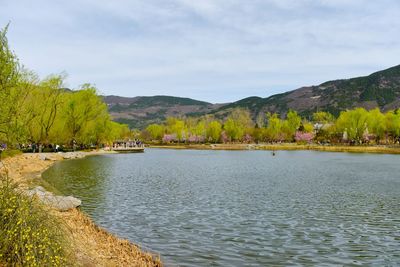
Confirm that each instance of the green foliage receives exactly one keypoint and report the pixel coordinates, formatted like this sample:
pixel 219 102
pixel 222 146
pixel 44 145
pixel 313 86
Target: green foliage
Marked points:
pixel 29 235
pixel 9 153
pixel 353 123
pixel 307 127
pixel 376 124
pixel 214 131
pixel 291 124
pixel 199 129
pixel 237 124
pixel 356 126
pixel 233 130
pixel 156 131
pixel 146 101
pixel 274 128
pixel 41 109
pixel 323 117
pixel 81 108
pixel 392 124
pixel 375 93
pixel 177 127
pixel 118 108
pixel 10 79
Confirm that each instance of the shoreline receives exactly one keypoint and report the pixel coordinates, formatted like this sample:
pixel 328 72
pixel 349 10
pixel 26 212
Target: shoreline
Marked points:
pixel 91 245
pixel 286 147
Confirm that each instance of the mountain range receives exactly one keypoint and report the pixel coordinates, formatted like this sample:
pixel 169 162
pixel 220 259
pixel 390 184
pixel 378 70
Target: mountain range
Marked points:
pixel 380 89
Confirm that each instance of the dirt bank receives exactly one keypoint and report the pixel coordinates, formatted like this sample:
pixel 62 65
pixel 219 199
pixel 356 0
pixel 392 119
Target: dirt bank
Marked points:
pixel 288 146
pixel 91 245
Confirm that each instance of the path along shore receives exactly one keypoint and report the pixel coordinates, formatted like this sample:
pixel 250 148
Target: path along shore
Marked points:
pixel 90 245
pixel 286 146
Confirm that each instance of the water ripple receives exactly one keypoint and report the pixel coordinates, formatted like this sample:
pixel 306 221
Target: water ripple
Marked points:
pixel 244 208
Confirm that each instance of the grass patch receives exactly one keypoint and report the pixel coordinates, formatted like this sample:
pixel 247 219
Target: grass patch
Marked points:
pixel 29 234
pixel 9 153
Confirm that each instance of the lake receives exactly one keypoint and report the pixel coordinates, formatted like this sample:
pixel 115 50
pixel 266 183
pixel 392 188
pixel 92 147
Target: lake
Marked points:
pixel 244 208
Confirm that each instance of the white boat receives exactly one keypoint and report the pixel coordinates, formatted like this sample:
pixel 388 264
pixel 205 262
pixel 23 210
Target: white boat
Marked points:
pixel 128 146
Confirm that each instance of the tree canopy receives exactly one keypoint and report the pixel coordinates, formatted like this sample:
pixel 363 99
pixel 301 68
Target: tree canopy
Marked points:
pixel 352 126
pixel 35 110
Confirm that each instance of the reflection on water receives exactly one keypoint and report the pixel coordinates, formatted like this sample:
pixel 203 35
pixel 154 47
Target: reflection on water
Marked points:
pixel 237 208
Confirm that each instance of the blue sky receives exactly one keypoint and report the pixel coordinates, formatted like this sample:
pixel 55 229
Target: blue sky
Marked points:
pixel 217 51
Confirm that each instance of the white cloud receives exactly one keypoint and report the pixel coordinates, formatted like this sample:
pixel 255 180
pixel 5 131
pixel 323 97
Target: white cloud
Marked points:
pixel 214 50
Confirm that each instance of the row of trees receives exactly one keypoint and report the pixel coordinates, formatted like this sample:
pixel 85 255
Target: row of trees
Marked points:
pixel 353 126
pixel 34 110
pixel 238 127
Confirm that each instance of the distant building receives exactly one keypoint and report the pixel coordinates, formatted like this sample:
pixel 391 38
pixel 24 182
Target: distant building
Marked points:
pixel 321 126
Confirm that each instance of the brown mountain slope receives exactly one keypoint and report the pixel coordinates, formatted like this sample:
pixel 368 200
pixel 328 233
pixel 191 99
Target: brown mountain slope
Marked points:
pixel 380 89
pixel 138 112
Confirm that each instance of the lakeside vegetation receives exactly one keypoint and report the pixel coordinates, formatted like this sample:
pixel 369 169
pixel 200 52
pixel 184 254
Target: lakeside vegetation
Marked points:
pixel 42 112
pixel 73 229
pixel 29 234
pixel 355 127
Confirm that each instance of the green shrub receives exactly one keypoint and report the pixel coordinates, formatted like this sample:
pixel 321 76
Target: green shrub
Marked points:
pixel 29 235
pixel 10 153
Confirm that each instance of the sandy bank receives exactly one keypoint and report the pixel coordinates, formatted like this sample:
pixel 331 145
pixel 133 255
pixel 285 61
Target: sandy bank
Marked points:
pixel 287 146
pixel 91 245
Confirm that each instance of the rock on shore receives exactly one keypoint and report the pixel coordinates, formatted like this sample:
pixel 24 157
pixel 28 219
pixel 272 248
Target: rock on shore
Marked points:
pixel 61 203
pixel 73 155
pixel 90 245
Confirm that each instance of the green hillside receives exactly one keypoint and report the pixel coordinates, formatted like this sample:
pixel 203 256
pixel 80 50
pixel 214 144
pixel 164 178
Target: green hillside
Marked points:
pixel 380 89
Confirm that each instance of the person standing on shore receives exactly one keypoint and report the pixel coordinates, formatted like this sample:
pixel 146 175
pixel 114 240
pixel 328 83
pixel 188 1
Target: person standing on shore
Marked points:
pixel 2 148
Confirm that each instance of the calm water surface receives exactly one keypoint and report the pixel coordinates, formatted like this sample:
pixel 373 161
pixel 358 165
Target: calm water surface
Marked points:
pixel 244 208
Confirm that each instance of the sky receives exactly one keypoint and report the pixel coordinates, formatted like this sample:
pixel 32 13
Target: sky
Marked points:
pixel 211 50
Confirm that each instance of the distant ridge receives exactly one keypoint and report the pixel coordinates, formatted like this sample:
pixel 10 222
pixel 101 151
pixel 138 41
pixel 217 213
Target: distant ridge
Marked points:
pixel 380 89
pixel 140 111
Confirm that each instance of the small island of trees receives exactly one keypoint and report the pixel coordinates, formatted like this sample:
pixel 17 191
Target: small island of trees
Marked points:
pixel 355 127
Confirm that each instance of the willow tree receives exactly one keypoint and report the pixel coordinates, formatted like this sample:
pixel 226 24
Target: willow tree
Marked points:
pixel 291 124
pixel 104 131
pixel 353 123
pixel 376 124
pixel 323 117
pixel 11 91
pixel 156 131
pixel 392 125
pixel 177 127
pixel 213 131
pixel 199 129
pixel 43 109
pixel 116 131
pixel 274 127
pixel 233 129
pixel 239 122
pixel 80 109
